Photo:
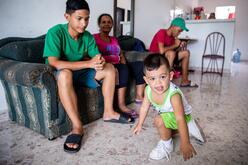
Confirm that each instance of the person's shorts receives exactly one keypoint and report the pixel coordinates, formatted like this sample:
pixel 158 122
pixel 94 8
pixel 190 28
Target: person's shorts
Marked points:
pixel 83 77
pixel 176 59
pixel 170 120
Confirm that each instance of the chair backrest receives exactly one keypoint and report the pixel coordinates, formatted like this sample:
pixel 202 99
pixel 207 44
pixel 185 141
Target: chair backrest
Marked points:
pixel 215 44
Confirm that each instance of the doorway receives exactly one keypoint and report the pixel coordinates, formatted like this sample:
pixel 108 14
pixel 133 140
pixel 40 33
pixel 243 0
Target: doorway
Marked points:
pixel 123 17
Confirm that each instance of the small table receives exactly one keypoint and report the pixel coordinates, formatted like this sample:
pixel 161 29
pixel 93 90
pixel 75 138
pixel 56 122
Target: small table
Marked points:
pixel 187 39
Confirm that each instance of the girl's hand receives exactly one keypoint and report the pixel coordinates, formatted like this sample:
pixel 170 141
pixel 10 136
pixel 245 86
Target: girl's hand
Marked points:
pixel 137 129
pixel 187 150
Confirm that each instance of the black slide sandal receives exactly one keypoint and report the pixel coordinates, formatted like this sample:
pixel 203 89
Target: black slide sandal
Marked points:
pixel 74 139
pixel 123 119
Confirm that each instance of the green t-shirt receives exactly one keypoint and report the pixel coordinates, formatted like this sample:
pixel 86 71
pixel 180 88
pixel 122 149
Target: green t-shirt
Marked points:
pixel 59 43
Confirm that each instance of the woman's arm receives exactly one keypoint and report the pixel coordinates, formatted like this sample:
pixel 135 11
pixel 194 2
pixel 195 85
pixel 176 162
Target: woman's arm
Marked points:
pixel 122 58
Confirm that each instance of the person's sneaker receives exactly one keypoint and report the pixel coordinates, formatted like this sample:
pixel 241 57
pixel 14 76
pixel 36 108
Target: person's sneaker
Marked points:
pixel 194 130
pixel 162 150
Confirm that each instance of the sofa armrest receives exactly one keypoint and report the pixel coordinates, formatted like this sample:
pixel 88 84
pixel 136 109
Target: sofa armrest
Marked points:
pixel 132 56
pixel 26 74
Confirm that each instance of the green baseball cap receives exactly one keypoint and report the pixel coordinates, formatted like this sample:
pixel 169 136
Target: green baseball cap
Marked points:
pixel 180 23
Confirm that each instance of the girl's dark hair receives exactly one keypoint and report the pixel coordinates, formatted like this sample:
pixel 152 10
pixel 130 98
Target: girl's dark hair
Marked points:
pixel 104 14
pixel 154 61
pixel 73 5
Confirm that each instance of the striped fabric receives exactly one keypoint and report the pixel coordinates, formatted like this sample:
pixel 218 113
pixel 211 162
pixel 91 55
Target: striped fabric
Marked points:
pixel 31 90
pixel 31 107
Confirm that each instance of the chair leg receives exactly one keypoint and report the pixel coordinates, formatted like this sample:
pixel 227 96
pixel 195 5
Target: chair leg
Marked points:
pixel 222 67
pixel 216 64
pixel 209 67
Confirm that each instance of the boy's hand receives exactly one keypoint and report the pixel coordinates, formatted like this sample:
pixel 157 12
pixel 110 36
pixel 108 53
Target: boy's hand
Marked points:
pixel 137 129
pixel 183 44
pixel 177 43
pixel 97 62
pixel 187 150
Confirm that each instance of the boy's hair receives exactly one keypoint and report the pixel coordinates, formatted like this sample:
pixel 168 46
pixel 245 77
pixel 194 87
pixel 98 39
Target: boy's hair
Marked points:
pixel 104 14
pixel 73 5
pixel 154 61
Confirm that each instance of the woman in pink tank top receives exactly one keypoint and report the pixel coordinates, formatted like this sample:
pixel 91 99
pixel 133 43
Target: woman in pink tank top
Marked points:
pixel 111 51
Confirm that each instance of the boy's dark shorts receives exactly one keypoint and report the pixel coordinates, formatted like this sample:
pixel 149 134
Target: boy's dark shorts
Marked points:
pixel 83 77
pixel 176 59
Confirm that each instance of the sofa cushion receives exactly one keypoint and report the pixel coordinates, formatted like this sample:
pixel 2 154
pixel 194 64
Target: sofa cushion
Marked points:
pixel 25 51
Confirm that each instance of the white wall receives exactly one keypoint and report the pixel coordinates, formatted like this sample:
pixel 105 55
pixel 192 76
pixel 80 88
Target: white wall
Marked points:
pixel 31 18
pixel 184 4
pixel 98 7
pixel 150 16
pixel 194 3
pixel 241 33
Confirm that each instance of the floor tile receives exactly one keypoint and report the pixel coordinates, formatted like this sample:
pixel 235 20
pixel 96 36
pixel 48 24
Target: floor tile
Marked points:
pixel 219 107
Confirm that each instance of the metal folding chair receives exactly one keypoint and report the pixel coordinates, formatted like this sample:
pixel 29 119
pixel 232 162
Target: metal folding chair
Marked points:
pixel 214 54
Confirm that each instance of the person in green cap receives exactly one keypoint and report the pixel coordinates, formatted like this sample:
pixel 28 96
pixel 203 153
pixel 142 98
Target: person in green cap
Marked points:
pixel 165 42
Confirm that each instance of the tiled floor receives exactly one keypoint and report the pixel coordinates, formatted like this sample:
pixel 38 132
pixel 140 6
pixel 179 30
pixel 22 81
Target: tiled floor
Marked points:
pixel 220 105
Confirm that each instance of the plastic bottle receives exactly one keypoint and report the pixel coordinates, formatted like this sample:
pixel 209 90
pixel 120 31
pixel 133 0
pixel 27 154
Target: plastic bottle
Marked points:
pixel 236 56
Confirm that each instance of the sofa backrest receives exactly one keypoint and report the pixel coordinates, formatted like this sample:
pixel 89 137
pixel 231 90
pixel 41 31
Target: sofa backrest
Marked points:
pixel 129 43
pixel 25 50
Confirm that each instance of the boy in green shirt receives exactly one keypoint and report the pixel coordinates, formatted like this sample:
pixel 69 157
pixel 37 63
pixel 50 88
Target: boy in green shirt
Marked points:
pixel 65 47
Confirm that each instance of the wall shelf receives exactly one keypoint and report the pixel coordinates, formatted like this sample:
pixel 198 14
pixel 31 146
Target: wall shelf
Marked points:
pixel 209 21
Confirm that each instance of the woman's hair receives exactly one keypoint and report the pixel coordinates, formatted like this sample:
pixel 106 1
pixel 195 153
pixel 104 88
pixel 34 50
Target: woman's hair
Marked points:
pixel 154 61
pixel 73 5
pixel 104 14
